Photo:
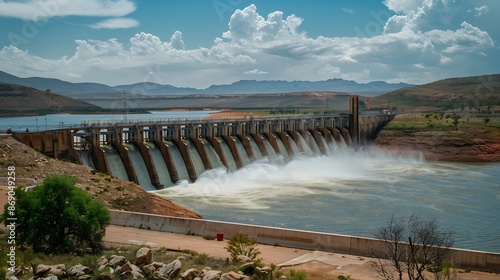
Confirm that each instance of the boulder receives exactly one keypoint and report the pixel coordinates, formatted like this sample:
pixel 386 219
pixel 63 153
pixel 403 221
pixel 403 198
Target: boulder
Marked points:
pixel 263 271
pixel 19 271
pixel 50 278
pixel 102 267
pixel 10 275
pixel 157 264
pixel 106 276
pixel 84 277
pixel 128 275
pixel 126 267
pixel 41 270
pixel 234 276
pixel 78 270
pixel 243 259
pixel 211 275
pixel 58 270
pixel 170 270
pixel 189 274
pixel 144 256
pixel 117 260
pixel 148 269
pixel 102 261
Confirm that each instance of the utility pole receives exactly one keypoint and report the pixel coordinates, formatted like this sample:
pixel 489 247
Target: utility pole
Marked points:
pixel 327 103
pixel 124 107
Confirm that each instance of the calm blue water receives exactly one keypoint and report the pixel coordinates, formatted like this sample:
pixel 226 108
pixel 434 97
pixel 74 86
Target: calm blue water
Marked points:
pixel 55 121
pixel 353 193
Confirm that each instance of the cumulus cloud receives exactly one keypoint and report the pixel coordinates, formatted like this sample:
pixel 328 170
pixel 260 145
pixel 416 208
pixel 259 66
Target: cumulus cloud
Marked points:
pixel 255 72
pixel 411 43
pixel 36 10
pixel 479 11
pixel 116 23
pixel 248 26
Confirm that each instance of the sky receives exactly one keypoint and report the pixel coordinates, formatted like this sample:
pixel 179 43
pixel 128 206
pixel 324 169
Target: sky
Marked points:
pixel 198 43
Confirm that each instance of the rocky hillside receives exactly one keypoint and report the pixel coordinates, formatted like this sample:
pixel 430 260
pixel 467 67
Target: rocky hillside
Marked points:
pixel 114 193
pixel 20 100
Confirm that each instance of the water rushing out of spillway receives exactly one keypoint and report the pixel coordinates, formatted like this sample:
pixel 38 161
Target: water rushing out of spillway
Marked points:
pixel 321 184
pixel 352 192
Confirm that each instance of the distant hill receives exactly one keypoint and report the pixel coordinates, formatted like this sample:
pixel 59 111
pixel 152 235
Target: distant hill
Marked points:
pixel 58 86
pixel 86 90
pixel 477 91
pixel 334 85
pixel 268 101
pixel 19 100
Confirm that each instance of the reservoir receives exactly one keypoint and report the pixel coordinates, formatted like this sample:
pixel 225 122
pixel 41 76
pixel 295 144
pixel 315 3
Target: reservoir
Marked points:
pixel 57 121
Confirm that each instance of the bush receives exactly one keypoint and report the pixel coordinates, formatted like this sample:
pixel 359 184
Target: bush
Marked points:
pixel 298 275
pixel 58 217
pixel 241 244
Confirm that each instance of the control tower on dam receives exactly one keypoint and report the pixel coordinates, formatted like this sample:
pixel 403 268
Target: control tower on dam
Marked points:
pixel 157 154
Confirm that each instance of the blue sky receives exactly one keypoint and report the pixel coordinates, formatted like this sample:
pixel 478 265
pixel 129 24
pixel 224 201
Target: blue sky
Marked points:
pixel 198 43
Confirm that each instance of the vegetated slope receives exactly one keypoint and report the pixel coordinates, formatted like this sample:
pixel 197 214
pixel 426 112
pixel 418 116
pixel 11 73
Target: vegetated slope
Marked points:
pixel 21 100
pixel 112 192
pixel 466 92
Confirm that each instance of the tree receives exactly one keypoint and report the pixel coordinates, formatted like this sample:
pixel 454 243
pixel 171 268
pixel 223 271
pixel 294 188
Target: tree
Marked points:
pixel 456 121
pixel 411 248
pixel 58 217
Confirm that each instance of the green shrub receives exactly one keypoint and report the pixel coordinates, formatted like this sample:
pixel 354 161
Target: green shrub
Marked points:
pixel 58 217
pixel 241 244
pixel 201 259
pixel 208 237
pixel 298 275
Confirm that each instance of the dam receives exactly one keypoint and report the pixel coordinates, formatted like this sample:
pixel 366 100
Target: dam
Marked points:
pixel 157 154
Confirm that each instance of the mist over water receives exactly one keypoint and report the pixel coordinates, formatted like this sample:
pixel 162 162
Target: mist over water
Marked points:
pixel 352 192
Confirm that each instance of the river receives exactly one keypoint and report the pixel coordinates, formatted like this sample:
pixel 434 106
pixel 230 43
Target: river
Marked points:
pixel 353 193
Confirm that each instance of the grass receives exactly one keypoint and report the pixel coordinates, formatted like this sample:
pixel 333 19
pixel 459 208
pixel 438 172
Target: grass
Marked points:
pixel 466 125
pixel 189 259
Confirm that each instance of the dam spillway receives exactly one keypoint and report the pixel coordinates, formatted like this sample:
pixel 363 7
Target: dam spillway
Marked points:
pixel 157 154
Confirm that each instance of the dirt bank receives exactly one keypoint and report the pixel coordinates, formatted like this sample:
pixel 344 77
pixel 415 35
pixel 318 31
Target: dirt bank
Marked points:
pixel 114 193
pixel 453 146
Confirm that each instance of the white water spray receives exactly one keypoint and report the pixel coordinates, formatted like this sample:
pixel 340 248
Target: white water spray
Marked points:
pixel 250 186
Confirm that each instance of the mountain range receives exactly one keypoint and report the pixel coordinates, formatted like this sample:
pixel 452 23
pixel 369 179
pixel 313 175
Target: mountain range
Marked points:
pixel 87 90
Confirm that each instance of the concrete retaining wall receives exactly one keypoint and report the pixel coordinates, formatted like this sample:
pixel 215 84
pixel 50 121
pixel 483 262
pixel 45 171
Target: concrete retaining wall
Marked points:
pixel 344 244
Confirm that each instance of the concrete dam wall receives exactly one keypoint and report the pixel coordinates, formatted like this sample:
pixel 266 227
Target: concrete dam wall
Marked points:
pixel 159 153
pixel 159 164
